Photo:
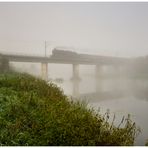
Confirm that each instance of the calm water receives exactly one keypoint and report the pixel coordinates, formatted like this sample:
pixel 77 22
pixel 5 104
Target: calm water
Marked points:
pixel 121 96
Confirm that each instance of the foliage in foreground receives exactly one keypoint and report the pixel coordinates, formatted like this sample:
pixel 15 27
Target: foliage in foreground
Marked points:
pixel 146 144
pixel 35 113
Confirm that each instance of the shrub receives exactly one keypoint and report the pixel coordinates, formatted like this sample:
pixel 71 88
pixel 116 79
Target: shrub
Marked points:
pixel 35 113
pixel 146 144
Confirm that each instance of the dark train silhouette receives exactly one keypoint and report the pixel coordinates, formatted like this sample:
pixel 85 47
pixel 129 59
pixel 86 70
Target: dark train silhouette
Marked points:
pixel 57 53
pixel 65 54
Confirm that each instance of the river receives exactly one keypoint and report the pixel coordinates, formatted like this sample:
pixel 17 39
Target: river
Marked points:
pixel 120 96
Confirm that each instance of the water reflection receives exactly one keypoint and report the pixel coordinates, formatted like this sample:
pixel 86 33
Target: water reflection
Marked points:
pixel 75 88
pixel 118 88
pixel 121 96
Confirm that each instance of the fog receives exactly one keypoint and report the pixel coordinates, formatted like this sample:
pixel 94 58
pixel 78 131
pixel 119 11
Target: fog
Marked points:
pixel 102 28
pixel 83 29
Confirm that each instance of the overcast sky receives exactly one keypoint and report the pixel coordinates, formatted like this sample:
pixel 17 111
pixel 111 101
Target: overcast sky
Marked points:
pixel 119 29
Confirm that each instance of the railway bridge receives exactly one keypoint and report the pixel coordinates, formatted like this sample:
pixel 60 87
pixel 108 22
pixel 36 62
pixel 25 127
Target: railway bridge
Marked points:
pixel 69 57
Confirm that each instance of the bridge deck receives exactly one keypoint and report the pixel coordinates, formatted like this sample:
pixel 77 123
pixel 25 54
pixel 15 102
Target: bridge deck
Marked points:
pixel 80 59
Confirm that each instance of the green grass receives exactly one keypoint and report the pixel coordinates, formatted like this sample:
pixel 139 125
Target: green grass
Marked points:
pixel 35 113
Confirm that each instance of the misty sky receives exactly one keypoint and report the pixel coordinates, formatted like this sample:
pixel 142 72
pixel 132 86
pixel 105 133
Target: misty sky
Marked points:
pixel 118 29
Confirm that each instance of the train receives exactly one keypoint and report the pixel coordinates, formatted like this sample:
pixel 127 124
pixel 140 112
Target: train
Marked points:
pixel 63 53
pixel 58 53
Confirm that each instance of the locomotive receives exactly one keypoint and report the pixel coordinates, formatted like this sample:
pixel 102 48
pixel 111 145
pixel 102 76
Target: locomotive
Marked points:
pixel 63 53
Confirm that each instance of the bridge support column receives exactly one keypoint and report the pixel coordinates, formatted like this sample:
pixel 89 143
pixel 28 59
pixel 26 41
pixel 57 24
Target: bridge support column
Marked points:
pixel 98 77
pixel 98 71
pixel 75 78
pixel 44 71
pixel 75 72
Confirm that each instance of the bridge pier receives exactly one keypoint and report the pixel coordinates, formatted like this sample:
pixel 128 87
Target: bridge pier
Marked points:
pixel 44 71
pixel 98 70
pixel 75 76
pixel 75 80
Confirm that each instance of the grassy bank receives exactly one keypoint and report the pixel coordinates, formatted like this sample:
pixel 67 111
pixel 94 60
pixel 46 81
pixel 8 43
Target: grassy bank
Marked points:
pixel 35 113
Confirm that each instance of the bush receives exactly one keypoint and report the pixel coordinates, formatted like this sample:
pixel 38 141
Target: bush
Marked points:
pixel 35 113
pixel 146 144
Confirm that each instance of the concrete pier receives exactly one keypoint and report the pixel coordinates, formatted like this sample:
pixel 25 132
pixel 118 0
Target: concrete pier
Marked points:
pixel 75 79
pixel 44 71
pixel 98 71
pixel 75 76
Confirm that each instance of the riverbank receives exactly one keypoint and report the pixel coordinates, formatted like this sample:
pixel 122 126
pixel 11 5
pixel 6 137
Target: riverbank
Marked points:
pixel 36 113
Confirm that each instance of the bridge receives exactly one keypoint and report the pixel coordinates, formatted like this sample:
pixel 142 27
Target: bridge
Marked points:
pixel 69 57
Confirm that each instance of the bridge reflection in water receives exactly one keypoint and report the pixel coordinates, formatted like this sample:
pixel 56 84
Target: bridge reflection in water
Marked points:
pixel 115 89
